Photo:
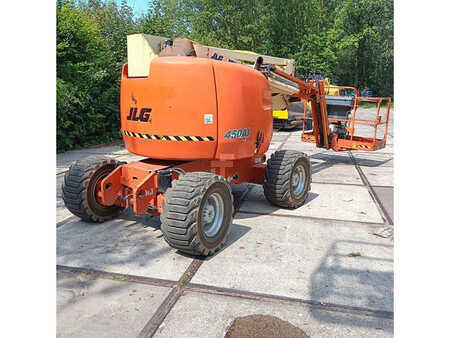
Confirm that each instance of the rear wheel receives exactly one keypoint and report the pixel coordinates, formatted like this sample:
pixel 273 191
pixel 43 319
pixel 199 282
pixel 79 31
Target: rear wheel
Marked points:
pixel 79 189
pixel 197 213
pixel 287 178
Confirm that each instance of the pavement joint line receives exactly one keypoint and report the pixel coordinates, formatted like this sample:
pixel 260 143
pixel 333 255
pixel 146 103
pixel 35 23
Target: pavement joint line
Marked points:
pixel 283 142
pixel 353 184
pixel 370 224
pixel 381 209
pixel 336 183
pixel 391 154
pixel 118 276
pixel 330 160
pixel 64 221
pixel 242 198
pixel 202 288
pixel 164 308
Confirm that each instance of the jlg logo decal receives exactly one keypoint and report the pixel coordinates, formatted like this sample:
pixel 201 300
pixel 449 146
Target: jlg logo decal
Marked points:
pixel 144 115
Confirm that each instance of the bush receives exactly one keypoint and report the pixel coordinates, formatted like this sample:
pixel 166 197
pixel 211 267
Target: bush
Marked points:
pixel 87 86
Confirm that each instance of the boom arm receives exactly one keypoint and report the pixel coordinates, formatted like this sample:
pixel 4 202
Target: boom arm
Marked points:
pixel 342 137
pixel 313 92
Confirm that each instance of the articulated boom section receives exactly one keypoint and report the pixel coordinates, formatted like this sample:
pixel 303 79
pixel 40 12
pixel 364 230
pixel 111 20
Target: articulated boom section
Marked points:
pixel 141 185
pixel 340 112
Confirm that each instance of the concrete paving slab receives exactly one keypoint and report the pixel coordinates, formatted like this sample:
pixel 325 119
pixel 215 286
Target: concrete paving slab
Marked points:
pixel 297 138
pixel 282 132
pixel 297 132
pixel 373 159
pixel 277 137
pixel 389 148
pixel 111 149
pixel 386 196
pixel 369 131
pixel 59 181
pixel 350 203
pixel 205 315
pixel 380 176
pixel 307 148
pixel 274 145
pixel 64 160
pixel 130 245
pixel 334 157
pixel 62 212
pixel 306 259
pixel 329 172
pixel 89 307
pixel 129 158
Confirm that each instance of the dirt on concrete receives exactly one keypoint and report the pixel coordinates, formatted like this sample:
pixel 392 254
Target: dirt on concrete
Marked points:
pixel 263 326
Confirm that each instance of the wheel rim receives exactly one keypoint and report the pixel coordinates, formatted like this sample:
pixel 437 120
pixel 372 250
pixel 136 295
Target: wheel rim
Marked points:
pixel 298 180
pixel 212 214
pixel 96 187
pixel 93 198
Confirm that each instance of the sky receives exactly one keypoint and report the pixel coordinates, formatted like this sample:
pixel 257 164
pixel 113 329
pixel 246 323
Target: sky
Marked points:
pixel 139 6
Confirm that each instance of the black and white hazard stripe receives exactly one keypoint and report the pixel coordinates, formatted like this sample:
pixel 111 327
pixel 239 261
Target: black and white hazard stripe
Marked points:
pixel 168 137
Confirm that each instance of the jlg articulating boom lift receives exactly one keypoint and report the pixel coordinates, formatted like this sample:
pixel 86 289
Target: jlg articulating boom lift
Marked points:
pixel 202 124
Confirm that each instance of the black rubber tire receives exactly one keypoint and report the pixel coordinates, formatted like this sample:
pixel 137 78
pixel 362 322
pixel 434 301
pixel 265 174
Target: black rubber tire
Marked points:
pixel 278 177
pixel 78 189
pixel 181 214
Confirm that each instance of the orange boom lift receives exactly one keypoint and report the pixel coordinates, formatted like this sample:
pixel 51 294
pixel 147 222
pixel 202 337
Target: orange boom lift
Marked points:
pixel 204 124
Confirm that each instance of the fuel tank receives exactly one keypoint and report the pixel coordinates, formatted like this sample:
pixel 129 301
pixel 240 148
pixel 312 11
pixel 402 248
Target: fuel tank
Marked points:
pixel 193 108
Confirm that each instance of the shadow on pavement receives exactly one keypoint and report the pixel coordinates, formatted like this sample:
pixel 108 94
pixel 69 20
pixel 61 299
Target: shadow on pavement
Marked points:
pixel 328 160
pixel 113 243
pixel 344 277
pixel 236 233
pixel 270 208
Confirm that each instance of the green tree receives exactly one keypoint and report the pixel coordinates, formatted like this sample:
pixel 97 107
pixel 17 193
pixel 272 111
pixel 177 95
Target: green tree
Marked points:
pixel 363 39
pixel 86 81
pixel 165 18
pixel 350 41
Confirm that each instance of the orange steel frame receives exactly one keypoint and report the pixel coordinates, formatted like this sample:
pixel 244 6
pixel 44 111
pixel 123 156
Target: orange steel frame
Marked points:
pixel 135 185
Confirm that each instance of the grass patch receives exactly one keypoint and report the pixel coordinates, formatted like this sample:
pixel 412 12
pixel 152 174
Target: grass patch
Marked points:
pixel 120 277
pixel 374 105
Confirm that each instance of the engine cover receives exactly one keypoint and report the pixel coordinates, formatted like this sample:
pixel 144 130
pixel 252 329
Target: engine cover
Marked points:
pixel 193 108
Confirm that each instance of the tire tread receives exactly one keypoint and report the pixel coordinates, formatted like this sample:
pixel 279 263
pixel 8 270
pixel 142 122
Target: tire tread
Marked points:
pixel 277 178
pixel 181 205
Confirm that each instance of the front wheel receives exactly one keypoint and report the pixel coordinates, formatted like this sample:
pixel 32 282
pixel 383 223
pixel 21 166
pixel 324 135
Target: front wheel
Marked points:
pixel 287 178
pixel 197 213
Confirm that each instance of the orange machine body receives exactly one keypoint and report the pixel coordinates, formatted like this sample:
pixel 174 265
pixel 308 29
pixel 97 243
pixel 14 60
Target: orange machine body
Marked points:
pixel 192 108
pixel 195 114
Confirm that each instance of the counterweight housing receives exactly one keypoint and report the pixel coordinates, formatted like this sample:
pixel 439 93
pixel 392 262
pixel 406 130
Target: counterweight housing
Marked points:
pixel 192 108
